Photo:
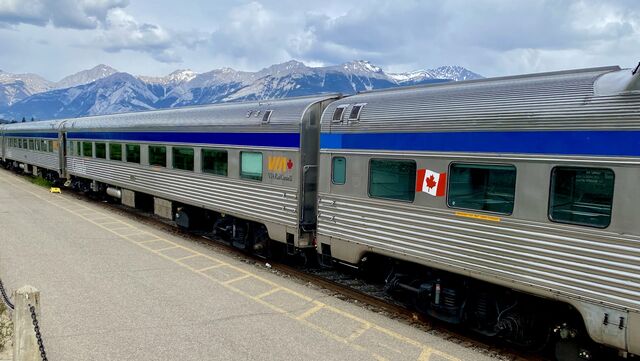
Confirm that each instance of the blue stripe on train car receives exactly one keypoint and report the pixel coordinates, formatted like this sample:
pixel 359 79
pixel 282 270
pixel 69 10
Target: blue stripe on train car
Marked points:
pixel 283 140
pixel 570 142
pixel 32 135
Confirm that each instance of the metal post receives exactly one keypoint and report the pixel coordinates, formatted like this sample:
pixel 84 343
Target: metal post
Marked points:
pixel 25 344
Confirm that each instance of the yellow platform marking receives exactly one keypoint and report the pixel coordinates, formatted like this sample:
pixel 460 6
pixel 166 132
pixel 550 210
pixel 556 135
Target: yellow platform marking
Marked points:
pixel 311 311
pixel 240 278
pixel 483 217
pixel 427 351
pixel 187 257
pixel 268 293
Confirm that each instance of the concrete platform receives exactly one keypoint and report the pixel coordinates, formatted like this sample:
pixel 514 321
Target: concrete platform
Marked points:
pixel 113 289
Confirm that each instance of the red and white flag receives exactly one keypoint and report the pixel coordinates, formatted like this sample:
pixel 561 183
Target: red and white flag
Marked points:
pixel 431 182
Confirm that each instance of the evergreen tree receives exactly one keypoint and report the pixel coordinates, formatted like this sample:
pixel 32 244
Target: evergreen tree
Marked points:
pixel 23 119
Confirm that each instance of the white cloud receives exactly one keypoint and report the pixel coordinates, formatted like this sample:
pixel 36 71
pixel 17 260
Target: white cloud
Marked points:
pixel 73 14
pixel 491 37
pixel 122 32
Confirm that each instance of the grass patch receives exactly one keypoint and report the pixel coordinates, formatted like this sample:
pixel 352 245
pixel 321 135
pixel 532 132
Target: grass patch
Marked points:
pixel 39 181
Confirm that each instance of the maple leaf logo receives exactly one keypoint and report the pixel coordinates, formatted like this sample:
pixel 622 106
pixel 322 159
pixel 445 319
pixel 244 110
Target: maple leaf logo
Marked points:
pixel 431 182
pixel 290 164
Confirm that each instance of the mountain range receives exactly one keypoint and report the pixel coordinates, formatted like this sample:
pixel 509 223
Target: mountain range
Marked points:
pixel 104 90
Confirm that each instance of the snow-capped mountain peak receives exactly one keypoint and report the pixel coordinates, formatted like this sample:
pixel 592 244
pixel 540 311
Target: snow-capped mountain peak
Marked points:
pixel 86 76
pixel 181 76
pixel 361 66
pixel 104 91
pixel 452 72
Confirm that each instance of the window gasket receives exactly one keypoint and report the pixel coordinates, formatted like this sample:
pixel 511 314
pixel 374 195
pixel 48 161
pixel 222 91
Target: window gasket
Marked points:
pixel 385 198
pixel 551 183
pixel 449 178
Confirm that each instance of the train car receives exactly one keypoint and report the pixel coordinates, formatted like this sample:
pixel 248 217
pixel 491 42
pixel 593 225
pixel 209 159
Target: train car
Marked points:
pixel 35 147
pixel 252 164
pixel 508 204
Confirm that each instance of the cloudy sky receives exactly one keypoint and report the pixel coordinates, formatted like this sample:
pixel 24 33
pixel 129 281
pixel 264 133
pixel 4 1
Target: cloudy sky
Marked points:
pixel 154 37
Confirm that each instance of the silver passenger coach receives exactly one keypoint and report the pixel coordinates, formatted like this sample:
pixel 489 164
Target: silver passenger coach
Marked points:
pixel 255 161
pixel 35 146
pixel 529 182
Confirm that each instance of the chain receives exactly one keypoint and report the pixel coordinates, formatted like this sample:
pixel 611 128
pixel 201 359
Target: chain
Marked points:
pixel 5 297
pixel 36 328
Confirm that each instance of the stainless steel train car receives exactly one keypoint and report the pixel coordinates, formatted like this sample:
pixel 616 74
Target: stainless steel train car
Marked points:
pixel 506 204
pixel 254 164
pixel 35 147
pixel 528 182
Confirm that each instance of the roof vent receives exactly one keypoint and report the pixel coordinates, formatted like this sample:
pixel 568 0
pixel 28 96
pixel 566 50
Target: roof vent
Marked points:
pixel 249 113
pixel 338 113
pixel 267 116
pixel 355 111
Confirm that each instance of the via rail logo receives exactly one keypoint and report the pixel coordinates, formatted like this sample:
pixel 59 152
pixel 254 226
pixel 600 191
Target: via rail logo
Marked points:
pixel 280 168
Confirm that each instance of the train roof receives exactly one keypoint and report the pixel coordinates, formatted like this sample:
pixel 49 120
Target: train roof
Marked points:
pixel 287 112
pixel 584 98
pixel 35 126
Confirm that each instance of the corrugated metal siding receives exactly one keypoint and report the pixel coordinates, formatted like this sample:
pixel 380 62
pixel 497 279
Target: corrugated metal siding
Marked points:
pixel 45 160
pixel 559 101
pixel 287 115
pixel 598 265
pixel 39 126
pixel 252 200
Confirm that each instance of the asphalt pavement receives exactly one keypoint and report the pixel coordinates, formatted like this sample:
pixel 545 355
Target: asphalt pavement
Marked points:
pixel 114 289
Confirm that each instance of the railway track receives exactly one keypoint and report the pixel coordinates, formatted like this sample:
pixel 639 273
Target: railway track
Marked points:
pixel 341 282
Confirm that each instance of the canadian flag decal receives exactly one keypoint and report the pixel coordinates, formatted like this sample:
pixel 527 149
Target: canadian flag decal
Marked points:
pixel 431 182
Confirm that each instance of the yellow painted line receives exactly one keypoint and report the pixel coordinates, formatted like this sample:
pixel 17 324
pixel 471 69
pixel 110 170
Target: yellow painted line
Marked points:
pixel 166 248
pixel 212 267
pixel 359 332
pixel 148 241
pixel 425 355
pixel 187 257
pixel 259 298
pixel 483 217
pixel 268 293
pixel 107 223
pixel 311 311
pixel 240 278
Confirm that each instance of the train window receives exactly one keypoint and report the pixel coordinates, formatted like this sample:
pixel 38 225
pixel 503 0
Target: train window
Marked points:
pixel 392 179
pixel 267 116
pixel 339 113
pixel 43 146
pixel 55 146
pixel 483 187
pixel 355 111
pixel 158 155
pixel 31 146
pixel 101 150
pixel 25 144
pixel 582 196
pixel 87 149
pixel 37 143
pixel 115 152
pixel 338 170
pixel 183 158
pixel 215 161
pixel 78 149
pixel 251 165
pixel 132 153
